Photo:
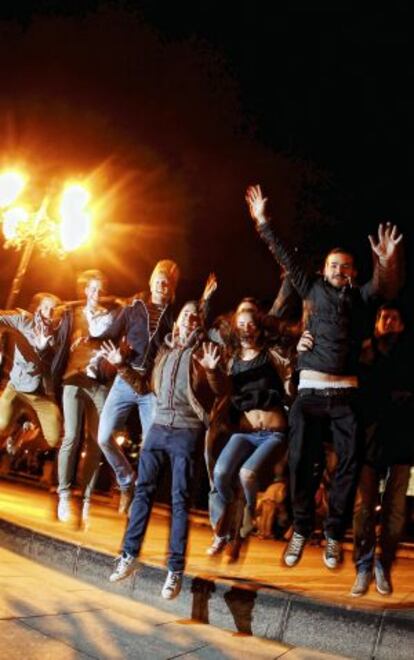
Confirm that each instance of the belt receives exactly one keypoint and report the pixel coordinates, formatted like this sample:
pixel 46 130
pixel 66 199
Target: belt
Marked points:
pixel 327 391
pixel 268 429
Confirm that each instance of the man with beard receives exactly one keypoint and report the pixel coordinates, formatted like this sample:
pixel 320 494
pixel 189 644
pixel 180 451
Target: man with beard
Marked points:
pixel 186 379
pixel 30 383
pixel 337 318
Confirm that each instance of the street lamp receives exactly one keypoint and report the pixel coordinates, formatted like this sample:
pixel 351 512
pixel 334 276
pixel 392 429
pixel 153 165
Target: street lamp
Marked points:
pixel 23 229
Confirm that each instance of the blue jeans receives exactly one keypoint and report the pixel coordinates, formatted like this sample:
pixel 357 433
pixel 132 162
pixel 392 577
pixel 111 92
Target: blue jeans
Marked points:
pixel 245 453
pixel 392 515
pixel 119 403
pixel 179 446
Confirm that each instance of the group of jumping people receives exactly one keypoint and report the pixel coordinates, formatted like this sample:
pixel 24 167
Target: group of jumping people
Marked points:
pixel 246 390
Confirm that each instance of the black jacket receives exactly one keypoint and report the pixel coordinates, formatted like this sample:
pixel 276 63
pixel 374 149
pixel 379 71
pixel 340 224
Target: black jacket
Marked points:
pixel 338 319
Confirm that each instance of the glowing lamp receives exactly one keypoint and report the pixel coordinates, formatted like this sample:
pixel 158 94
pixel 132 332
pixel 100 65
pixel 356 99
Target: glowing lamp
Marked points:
pixel 75 224
pixel 12 220
pixel 11 185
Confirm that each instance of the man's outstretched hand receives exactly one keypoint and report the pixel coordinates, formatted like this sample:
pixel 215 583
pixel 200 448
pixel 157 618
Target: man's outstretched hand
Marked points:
pixel 257 204
pixel 388 239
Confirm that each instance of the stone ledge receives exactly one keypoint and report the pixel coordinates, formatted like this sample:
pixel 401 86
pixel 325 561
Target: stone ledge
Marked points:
pixel 235 605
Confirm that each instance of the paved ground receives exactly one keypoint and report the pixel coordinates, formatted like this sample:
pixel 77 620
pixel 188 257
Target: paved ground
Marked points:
pixel 259 564
pixel 47 615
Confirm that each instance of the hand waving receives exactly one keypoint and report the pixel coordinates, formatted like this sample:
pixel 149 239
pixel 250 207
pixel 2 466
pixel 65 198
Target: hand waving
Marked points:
pixel 211 356
pixel 388 239
pixel 257 204
pixel 111 353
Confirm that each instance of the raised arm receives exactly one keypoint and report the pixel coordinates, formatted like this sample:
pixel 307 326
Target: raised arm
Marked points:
pixel 285 257
pixel 388 274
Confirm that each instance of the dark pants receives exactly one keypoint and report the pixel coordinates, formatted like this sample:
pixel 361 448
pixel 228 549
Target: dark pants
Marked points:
pixel 392 515
pixel 179 445
pixel 310 410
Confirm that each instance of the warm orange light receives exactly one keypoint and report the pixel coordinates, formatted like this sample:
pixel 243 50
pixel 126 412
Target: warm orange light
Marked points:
pixel 11 185
pixel 120 439
pixel 12 220
pixel 75 225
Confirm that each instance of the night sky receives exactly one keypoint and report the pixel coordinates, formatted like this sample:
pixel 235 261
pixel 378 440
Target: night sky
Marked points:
pixel 170 110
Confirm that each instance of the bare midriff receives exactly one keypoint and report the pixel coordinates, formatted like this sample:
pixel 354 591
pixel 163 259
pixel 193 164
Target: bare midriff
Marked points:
pixel 256 420
pixel 323 377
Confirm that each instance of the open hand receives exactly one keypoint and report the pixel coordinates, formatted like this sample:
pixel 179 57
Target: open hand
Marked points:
pixel 388 239
pixel 111 353
pixel 257 204
pixel 210 357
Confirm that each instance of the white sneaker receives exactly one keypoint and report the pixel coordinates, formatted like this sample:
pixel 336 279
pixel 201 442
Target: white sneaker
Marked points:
pixel 218 545
pixel 85 520
pixel 126 566
pixel 172 585
pixel 64 510
pixel 332 555
pixel 294 549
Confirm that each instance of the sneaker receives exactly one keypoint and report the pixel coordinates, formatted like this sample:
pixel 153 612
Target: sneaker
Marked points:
pixel 218 545
pixel 126 566
pixel 294 549
pixel 172 585
pixel 382 580
pixel 247 524
pixel 125 500
pixel 64 509
pixel 332 555
pixel 361 584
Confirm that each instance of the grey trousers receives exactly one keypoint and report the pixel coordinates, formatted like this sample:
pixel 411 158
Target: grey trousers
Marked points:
pixel 81 404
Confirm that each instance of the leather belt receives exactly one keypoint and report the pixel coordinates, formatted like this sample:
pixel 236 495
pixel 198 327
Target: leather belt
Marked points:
pixel 327 391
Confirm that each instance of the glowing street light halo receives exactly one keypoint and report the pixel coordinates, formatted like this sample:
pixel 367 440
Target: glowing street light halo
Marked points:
pixel 75 217
pixel 12 183
pixel 13 220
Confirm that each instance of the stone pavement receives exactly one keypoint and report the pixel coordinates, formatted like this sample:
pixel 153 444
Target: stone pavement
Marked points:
pixel 45 615
pixel 307 605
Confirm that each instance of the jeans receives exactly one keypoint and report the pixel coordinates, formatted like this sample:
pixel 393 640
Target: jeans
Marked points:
pixel 392 515
pixel 47 412
pixel 119 403
pixel 245 453
pixel 179 446
pixel 80 402
pixel 305 449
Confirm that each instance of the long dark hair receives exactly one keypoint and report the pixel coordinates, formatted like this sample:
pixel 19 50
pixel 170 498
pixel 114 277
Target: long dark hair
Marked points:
pixel 234 339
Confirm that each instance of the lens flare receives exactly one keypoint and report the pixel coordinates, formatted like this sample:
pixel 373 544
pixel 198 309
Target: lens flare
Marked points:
pixel 11 185
pixel 75 224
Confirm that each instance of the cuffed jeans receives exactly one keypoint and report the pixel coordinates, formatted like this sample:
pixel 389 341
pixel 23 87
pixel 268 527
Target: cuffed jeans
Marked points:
pixel 47 412
pixel 392 515
pixel 121 400
pixel 179 446
pixel 305 450
pixel 257 447
pixel 80 403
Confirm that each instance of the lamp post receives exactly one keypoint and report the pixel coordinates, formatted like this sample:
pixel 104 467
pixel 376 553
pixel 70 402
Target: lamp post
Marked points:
pixel 23 230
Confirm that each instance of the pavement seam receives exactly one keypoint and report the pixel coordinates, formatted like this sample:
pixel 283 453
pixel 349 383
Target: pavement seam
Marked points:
pixel 61 641
pixel 44 616
pixel 284 620
pixel 378 635
pixel 75 564
pixel 182 655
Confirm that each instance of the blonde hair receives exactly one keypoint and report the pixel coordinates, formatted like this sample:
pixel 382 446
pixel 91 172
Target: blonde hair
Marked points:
pixel 168 268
